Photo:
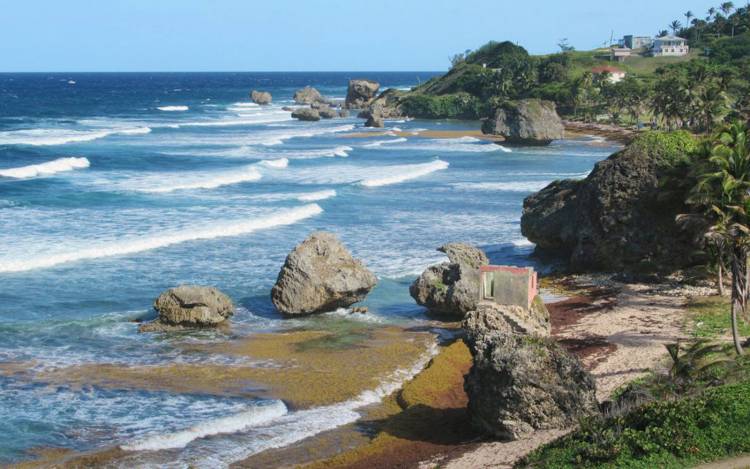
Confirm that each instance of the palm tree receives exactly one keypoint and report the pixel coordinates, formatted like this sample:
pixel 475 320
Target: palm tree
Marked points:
pixel 723 188
pixel 688 16
pixel 675 26
pixel 726 8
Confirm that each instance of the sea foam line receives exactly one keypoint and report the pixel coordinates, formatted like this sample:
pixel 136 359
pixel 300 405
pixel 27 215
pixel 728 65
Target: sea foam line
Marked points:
pixel 231 424
pixel 44 169
pixel 407 172
pixel 521 186
pixel 131 246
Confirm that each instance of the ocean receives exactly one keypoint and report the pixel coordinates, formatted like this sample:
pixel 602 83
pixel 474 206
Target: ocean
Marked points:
pixel 115 187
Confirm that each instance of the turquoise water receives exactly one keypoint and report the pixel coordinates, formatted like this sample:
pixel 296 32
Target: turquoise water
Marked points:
pixel 114 187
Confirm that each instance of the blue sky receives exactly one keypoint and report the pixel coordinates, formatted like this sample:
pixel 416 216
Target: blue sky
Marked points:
pixel 297 35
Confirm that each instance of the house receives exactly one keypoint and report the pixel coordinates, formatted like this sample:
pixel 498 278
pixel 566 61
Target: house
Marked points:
pixel 507 285
pixel 670 46
pixel 613 74
pixel 637 42
pixel 619 54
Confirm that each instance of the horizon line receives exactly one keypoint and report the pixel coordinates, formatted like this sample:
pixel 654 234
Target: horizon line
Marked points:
pixel 228 71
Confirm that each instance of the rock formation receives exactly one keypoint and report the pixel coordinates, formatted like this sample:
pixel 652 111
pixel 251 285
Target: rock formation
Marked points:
pixel 451 288
pixel 521 380
pixel 308 95
pixel 261 97
pixel 375 120
pixel 320 275
pixel 306 114
pixel 360 93
pixel 527 122
pixel 387 104
pixel 619 218
pixel 190 306
pixel 326 112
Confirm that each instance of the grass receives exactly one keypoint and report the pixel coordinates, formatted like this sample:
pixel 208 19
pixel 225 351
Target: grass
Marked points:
pixel 710 317
pixel 664 434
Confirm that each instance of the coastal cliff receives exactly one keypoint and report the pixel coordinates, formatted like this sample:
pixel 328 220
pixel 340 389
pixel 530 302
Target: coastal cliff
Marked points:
pixel 622 215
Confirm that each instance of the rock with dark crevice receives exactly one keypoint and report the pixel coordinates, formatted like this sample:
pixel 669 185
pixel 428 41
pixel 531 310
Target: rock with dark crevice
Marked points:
pixel 190 306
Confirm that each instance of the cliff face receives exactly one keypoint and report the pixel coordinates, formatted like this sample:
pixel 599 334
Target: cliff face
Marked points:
pixel 621 217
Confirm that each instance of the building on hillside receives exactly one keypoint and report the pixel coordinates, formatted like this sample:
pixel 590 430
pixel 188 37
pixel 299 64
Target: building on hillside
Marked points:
pixel 637 42
pixel 619 54
pixel 613 74
pixel 506 285
pixel 670 46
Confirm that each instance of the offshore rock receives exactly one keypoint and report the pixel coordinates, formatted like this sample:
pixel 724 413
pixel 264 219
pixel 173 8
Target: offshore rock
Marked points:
pixel 320 275
pixel 308 95
pixel 527 122
pixel 306 114
pixel 326 112
pixel 360 93
pixel 261 97
pixel 190 306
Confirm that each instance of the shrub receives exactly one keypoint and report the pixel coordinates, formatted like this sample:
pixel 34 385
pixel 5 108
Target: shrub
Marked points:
pixel 450 106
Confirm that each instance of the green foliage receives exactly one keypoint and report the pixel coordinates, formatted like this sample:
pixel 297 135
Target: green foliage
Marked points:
pixel 668 148
pixel 660 434
pixel 452 106
pixel 498 54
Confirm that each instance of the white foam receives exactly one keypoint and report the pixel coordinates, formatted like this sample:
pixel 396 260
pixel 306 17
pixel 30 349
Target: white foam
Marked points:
pixel 255 416
pixel 521 186
pixel 407 172
pixel 314 196
pixel 385 142
pixel 208 181
pixel 45 169
pixel 276 164
pixel 173 108
pixel 522 243
pixel 135 245
pixel 44 137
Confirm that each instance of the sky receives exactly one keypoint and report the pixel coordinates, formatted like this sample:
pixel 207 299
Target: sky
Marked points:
pixel 305 35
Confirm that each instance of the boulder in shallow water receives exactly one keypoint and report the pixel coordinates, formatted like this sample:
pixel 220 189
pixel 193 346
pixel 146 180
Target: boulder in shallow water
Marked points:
pixel 190 306
pixel 260 97
pixel 491 318
pixel 526 122
pixel 320 275
pixel 360 93
pixel 326 112
pixel 451 288
pixel 306 114
pixel 375 120
pixel 308 95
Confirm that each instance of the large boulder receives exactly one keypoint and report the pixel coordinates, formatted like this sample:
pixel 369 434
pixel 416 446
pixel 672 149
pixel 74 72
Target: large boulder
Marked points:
pixel 320 275
pixel 375 120
pixel 308 95
pixel 261 97
pixel 526 122
pixel 621 217
pixel 451 288
pixel 190 306
pixel 521 383
pixel 387 104
pixel 306 114
pixel 360 93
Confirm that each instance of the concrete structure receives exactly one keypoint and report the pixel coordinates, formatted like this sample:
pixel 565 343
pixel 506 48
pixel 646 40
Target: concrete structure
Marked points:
pixel 506 285
pixel 637 42
pixel 614 74
pixel 619 54
pixel 670 46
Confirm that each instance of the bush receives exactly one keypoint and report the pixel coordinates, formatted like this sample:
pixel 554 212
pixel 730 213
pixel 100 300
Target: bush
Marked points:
pixel 668 148
pixel 450 106
pixel 661 434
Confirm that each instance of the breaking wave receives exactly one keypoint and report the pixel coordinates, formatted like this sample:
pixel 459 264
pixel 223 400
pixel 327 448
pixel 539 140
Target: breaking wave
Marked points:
pixel 385 142
pixel 43 137
pixel 405 173
pixel 211 181
pixel 131 246
pixel 173 108
pixel 522 186
pixel 314 196
pixel 45 169
pixel 255 416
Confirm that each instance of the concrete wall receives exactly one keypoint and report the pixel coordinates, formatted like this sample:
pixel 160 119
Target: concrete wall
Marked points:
pixel 507 285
